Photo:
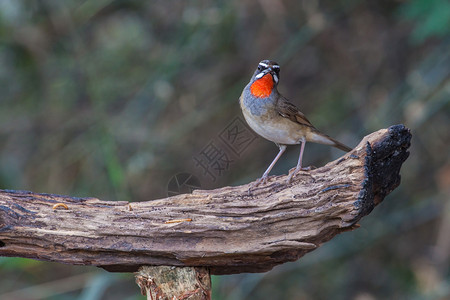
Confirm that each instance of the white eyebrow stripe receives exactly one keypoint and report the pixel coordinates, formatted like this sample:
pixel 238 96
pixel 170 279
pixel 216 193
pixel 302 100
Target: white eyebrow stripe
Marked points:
pixel 276 66
pixel 263 64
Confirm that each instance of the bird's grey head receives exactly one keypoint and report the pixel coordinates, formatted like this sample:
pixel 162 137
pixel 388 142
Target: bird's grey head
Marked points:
pixel 267 66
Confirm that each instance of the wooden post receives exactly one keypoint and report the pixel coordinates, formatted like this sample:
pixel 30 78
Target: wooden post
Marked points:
pixel 167 283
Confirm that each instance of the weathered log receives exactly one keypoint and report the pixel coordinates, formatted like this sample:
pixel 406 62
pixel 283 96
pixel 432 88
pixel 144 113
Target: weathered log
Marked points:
pixel 227 230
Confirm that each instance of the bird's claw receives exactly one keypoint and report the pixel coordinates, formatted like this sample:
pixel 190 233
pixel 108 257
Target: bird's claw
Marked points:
pixel 308 168
pixel 291 175
pixel 294 171
pixel 261 181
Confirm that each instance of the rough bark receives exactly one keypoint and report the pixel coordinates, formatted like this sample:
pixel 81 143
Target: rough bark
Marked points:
pixel 167 283
pixel 227 230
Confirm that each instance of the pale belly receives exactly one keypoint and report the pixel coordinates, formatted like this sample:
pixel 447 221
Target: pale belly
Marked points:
pixel 280 131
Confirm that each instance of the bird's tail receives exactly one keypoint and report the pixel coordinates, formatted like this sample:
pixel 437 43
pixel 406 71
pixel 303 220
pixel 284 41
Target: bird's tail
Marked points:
pixel 341 146
pixel 322 138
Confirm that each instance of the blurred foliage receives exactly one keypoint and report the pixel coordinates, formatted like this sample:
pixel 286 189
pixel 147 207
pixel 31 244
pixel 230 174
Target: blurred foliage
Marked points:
pixel 432 18
pixel 111 99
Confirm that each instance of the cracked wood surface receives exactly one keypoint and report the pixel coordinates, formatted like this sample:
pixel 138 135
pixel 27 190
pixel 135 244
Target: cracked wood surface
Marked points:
pixel 228 230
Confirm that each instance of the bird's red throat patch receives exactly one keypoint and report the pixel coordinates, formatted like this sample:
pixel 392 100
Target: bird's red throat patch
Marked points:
pixel 262 87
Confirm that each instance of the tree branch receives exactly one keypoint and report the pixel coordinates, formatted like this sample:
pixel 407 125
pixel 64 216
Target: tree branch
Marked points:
pixel 228 230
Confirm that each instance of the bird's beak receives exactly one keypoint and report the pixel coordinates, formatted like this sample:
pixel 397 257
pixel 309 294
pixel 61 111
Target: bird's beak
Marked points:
pixel 263 72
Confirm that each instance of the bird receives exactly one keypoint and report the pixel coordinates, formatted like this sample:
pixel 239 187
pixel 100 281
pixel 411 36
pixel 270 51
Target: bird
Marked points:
pixel 276 119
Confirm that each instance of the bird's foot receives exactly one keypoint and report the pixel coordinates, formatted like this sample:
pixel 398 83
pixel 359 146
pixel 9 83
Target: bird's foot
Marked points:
pixel 263 180
pixel 308 168
pixel 294 171
pixel 291 175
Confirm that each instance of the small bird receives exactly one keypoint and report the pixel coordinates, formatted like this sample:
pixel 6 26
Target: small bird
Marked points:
pixel 276 119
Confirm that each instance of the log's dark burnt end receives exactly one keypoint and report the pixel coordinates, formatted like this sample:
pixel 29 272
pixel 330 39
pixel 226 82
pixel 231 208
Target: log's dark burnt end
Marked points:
pixel 225 230
pixel 382 168
pixel 389 156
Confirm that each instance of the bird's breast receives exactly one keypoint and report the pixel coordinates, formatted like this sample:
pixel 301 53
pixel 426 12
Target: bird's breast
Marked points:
pixel 263 118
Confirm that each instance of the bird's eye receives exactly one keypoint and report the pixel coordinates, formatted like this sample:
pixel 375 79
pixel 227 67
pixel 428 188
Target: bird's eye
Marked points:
pixel 260 68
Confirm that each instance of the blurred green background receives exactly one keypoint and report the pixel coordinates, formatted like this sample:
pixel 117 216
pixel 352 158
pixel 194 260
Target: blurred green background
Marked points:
pixel 111 99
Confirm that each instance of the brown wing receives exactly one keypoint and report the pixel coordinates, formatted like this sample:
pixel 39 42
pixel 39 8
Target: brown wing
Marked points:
pixel 290 111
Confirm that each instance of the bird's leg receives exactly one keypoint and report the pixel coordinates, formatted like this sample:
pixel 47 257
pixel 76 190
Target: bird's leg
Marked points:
pixel 263 179
pixel 299 164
